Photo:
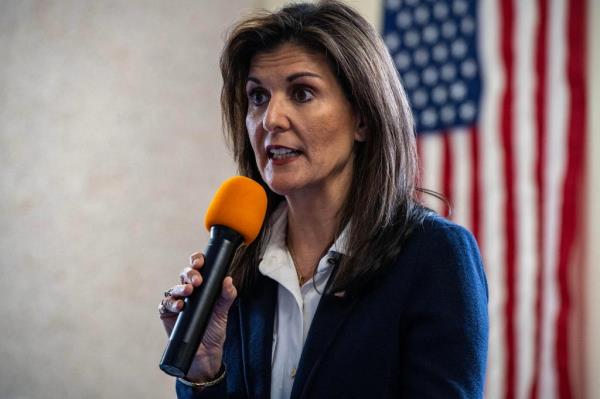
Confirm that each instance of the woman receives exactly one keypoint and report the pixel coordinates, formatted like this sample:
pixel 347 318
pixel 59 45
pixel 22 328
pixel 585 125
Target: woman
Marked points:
pixel 352 289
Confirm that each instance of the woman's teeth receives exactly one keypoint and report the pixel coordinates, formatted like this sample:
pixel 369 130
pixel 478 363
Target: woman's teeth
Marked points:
pixel 282 153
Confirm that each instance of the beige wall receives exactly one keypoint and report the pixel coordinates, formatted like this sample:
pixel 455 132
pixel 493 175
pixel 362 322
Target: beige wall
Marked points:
pixel 110 149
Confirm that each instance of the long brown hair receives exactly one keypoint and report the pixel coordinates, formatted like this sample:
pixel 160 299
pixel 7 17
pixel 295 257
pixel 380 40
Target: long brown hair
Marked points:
pixel 381 203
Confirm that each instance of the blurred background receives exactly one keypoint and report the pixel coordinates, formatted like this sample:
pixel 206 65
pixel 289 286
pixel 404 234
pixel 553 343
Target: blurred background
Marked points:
pixel 111 148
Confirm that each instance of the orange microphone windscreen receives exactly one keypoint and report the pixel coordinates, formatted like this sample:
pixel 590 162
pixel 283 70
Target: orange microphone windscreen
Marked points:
pixel 240 204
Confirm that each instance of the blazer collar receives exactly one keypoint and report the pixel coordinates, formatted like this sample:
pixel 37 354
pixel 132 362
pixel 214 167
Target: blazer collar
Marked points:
pixel 331 313
pixel 256 320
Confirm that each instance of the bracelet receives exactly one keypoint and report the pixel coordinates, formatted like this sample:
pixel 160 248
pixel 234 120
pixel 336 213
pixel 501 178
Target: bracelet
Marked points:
pixel 201 385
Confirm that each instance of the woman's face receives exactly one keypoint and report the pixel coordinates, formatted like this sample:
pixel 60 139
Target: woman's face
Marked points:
pixel 301 126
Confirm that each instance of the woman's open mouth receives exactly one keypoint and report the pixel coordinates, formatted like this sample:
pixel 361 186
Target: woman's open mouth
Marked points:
pixel 281 153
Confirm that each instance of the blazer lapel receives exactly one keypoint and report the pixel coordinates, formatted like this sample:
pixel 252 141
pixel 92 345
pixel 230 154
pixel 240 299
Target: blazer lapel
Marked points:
pixel 256 328
pixel 329 318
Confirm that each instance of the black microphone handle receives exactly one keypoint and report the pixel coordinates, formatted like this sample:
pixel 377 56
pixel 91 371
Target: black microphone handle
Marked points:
pixel 193 319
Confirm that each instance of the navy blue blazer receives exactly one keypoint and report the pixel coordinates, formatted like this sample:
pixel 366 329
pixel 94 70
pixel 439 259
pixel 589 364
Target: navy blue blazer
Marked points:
pixel 420 332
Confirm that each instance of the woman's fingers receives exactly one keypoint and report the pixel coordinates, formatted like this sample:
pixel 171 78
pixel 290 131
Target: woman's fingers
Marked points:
pixel 190 275
pixel 228 295
pixel 197 260
pixel 173 300
pixel 169 307
pixel 229 291
pixel 181 290
pixel 174 305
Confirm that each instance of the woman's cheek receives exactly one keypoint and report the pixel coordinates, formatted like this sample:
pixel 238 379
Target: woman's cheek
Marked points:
pixel 257 148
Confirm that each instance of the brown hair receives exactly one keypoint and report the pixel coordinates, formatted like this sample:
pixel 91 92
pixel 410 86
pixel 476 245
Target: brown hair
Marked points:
pixel 381 202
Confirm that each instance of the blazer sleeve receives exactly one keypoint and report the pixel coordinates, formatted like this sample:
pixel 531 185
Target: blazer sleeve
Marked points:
pixel 444 346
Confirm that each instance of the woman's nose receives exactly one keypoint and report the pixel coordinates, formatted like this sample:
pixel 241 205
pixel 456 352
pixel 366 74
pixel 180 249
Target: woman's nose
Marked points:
pixel 275 119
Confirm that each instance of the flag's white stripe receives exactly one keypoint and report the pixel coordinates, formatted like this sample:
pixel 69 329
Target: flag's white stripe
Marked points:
pixel 558 105
pixel 432 154
pixel 524 142
pixel 460 148
pixel 492 192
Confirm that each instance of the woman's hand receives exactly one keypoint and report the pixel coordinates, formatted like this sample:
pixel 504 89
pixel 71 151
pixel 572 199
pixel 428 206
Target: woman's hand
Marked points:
pixel 209 356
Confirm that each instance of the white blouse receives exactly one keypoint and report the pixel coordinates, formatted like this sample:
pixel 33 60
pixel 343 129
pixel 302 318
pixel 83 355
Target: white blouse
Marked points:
pixel 296 306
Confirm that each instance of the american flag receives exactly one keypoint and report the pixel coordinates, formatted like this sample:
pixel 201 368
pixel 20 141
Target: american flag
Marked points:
pixel 498 93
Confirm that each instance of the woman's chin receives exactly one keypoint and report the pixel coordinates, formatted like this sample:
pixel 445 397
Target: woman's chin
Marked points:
pixel 282 186
pixel 281 189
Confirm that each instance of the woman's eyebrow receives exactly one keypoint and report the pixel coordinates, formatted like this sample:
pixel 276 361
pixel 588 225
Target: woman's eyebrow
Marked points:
pixel 253 79
pixel 302 74
pixel 289 78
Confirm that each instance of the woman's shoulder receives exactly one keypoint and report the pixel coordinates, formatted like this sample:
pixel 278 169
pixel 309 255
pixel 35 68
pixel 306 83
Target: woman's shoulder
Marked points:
pixel 437 231
pixel 439 264
pixel 439 247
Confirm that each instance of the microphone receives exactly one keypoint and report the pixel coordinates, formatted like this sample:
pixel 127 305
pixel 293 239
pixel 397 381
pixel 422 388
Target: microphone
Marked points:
pixel 235 215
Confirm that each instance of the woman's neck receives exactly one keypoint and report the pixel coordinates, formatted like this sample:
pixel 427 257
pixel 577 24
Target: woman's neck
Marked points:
pixel 312 223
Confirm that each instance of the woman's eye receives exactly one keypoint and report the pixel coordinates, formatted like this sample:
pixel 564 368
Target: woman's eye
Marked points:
pixel 257 97
pixel 302 94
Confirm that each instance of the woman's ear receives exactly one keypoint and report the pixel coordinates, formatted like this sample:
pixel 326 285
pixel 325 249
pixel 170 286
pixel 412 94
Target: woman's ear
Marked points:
pixel 360 133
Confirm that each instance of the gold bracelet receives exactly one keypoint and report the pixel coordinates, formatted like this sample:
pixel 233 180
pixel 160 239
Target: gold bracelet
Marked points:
pixel 201 385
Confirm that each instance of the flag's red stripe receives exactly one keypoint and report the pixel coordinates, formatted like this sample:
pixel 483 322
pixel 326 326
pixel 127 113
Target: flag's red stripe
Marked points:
pixel 447 173
pixel 572 189
pixel 541 62
pixel 475 193
pixel 506 131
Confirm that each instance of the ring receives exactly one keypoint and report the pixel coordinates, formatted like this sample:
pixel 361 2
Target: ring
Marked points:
pixel 162 308
pixel 168 292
